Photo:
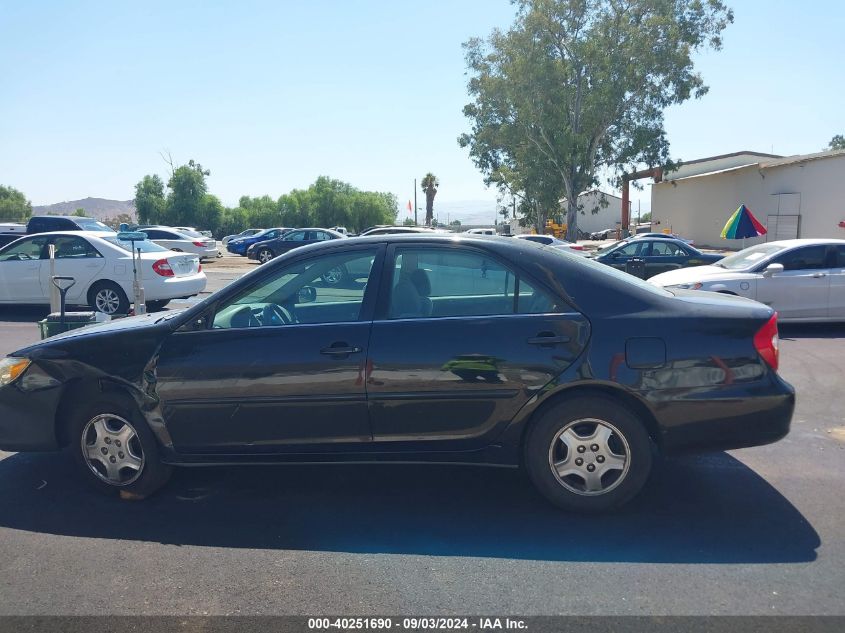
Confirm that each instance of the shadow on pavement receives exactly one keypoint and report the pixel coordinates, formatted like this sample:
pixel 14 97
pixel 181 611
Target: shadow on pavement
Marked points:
pixel 709 509
pixel 23 314
pixel 791 331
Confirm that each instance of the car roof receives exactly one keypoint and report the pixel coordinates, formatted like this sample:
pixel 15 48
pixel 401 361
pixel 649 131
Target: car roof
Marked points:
pixel 99 234
pixel 807 241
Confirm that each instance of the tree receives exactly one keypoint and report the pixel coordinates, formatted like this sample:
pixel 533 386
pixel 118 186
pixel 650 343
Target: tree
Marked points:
pixel 837 142
pixel 186 195
pixel 409 222
pixel 150 202
pixel 579 87
pixel 79 213
pixel 429 185
pixel 115 222
pixel 14 206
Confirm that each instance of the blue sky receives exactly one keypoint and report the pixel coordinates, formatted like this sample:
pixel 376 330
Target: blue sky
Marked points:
pixel 269 95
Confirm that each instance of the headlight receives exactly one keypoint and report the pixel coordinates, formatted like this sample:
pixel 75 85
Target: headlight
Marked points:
pixel 693 286
pixel 11 369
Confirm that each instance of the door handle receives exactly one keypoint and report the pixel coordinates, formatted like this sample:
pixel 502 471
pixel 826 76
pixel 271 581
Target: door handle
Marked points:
pixel 819 275
pixel 340 349
pixel 547 339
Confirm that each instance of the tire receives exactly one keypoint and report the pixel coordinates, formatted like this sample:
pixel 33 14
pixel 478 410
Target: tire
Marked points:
pixel 108 433
pixel 107 297
pixel 335 276
pixel 264 255
pixel 583 432
pixel 155 306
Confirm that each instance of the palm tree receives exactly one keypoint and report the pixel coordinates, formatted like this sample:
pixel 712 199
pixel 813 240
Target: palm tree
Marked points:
pixel 429 186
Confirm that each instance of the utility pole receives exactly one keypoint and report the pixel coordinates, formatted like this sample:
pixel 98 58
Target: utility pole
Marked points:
pixel 415 203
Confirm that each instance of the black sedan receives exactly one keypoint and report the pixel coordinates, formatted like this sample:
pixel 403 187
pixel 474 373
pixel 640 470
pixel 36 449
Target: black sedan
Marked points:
pixel 446 349
pixel 660 254
pixel 266 250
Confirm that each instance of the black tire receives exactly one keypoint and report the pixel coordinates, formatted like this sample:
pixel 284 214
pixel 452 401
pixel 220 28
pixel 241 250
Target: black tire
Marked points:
pixel 108 297
pixel 155 306
pixel 112 410
pixel 581 423
pixel 264 255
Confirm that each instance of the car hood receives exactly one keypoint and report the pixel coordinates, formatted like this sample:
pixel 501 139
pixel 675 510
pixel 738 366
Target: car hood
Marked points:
pixel 95 329
pixel 698 273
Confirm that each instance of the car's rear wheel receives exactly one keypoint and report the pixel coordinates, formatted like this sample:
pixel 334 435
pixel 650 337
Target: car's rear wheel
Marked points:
pixel 588 454
pixel 108 297
pixel 159 304
pixel 265 255
pixel 114 448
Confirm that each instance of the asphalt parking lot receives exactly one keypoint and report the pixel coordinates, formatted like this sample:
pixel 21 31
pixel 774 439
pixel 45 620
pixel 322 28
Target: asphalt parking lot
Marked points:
pixel 755 531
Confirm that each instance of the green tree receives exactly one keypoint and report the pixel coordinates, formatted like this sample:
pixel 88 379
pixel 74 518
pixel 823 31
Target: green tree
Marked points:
pixel 150 202
pixel 14 207
pixel 115 222
pixel 837 142
pixel 79 213
pixel 409 222
pixel 186 195
pixel 577 87
pixel 429 185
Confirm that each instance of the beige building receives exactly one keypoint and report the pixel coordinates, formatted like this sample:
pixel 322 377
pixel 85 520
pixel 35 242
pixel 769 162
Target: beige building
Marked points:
pixel 793 196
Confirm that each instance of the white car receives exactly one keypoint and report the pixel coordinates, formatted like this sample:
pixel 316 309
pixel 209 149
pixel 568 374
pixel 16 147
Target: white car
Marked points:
pixel 102 267
pixel 804 280
pixel 480 232
pixel 550 240
pixel 246 233
pixel 182 242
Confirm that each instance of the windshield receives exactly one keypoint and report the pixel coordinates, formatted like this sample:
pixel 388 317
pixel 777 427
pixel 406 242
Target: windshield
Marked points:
pixel 749 256
pixel 145 246
pixel 93 225
pixel 605 249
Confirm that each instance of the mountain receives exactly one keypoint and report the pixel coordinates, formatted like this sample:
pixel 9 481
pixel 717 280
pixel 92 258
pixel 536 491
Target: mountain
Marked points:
pixel 98 208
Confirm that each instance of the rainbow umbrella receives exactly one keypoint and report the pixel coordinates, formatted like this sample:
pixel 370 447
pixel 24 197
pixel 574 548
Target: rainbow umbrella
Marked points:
pixel 742 224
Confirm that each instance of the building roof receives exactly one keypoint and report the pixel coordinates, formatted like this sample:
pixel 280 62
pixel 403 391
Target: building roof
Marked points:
pixel 802 158
pixel 744 160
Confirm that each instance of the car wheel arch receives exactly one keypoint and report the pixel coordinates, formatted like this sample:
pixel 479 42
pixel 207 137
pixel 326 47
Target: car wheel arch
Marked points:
pixel 612 392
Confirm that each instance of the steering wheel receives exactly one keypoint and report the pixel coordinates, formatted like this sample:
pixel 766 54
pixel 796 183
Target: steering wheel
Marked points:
pixel 274 314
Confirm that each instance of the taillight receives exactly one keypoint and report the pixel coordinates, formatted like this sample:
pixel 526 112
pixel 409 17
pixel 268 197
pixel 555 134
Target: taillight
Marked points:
pixel 577 247
pixel 766 342
pixel 200 244
pixel 199 270
pixel 162 267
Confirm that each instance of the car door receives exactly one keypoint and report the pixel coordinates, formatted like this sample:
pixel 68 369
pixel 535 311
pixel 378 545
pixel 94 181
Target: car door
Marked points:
pixel 620 257
pixel 462 341
pixel 279 364
pixel 665 255
pixel 836 292
pixel 75 257
pixel 801 291
pixel 20 271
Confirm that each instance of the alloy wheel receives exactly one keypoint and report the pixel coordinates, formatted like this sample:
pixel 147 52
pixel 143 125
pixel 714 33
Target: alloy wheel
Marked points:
pixel 112 449
pixel 589 457
pixel 107 301
pixel 265 256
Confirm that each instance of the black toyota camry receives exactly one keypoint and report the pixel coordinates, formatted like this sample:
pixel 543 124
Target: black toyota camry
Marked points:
pixel 434 349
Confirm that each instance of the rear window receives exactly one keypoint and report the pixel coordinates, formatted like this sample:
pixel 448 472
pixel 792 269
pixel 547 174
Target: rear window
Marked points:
pixel 146 246
pixel 93 225
pixel 604 269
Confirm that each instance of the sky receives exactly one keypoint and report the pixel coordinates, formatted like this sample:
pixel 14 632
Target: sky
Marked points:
pixel 271 95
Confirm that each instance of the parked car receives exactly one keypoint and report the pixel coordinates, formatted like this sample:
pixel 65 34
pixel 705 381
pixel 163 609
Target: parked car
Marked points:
pixel 266 250
pixel 803 280
pixel 480 232
pixel 551 240
pixel 450 349
pixel 604 234
pixel 45 223
pixel 192 231
pixel 664 236
pixel 101 264
pixel 246 233
pixel 183 242
pixel 239 245
pixel 660 255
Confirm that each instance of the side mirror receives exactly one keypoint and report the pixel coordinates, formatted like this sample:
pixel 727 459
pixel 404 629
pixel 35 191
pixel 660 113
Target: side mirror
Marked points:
pixel 773 269
pixel 306 294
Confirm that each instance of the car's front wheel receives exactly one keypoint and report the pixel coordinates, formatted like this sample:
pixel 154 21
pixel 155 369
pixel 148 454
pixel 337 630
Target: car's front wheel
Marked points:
pixel 265 255
pixel 588 454
pixel 114 448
